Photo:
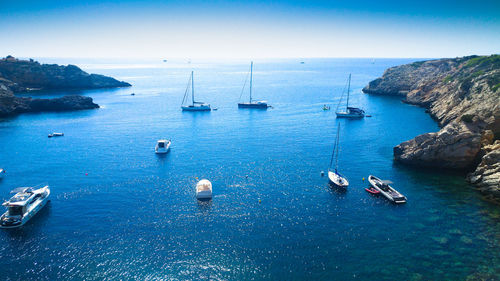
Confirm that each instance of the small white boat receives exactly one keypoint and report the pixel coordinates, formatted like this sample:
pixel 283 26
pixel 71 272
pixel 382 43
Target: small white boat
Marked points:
pixel 334 177
pixel 204 189
pixel 162 146
pixel 23 206
pixel 195 105
pixel 56 135
pixel 386 190
pixel 2 173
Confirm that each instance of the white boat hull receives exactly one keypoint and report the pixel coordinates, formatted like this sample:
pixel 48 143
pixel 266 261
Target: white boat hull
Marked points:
pixel 164 149
pixel 391 194
pixel 32 210
pixel 349 115
pixel 337 180
pixel 196 108
pixel 204 189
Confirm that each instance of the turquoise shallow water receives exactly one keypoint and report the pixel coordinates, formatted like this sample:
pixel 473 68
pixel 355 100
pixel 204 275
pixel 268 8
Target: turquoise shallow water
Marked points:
pixel 134 214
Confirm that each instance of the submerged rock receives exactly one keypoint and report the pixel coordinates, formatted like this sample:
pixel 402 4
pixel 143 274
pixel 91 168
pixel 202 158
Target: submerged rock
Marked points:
pixel 463 95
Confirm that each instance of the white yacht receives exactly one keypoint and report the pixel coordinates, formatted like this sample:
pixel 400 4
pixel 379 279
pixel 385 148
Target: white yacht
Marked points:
pixel 162 146
pixel 388 191
pixel 195 105
pixel 204 189
pixel 262 104
pixel 56 135
pixel 23 206
pixel 2 173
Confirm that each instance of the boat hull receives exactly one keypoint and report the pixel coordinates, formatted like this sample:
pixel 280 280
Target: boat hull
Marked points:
pixel 253 105
pixel 337 180
pixel 204 190
pixel 196 108
pixel 349 115
pixel 31 213
pixel 387 193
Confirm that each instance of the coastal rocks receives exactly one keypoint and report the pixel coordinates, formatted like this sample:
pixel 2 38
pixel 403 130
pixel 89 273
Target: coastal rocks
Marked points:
pixel 29 74
pixel 463 95
pixel 23 75
pixel 455 147
pixel 487 174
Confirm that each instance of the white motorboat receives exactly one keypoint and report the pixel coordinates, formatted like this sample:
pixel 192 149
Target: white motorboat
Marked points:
pixel 386 190
pixel 2 173
pixel 56 135
pixel 334 176
pixel 162 146
pixel 252 103
pixel 195 105
pixel 349 112
pixel 23 206
pixel 204 189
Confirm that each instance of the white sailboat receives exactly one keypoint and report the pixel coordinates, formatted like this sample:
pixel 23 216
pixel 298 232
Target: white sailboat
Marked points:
pixel 195 105
pixel 349 112
pixel 252 103
pixel 334 176
pixel 23 206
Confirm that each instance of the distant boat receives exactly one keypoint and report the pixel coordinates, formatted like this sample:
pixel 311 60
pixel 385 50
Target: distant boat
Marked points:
pixel 251 103
pixel 2 173
pixel 162 146
pixel 386 190
pixel 301 62
pixel 334 176
pixel 204 189
pixel 349 112
pixel 56 135
pixel 195 105
pixel 326 107
pixel 23 206
pixel 164 60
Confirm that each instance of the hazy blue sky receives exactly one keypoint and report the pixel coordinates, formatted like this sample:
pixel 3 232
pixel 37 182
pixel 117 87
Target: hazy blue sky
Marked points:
pixel 246 29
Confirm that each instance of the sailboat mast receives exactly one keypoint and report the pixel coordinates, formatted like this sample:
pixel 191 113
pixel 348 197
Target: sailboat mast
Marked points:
pixel 348 89
pixel 192 86
pixel 251 78
pixel 337 146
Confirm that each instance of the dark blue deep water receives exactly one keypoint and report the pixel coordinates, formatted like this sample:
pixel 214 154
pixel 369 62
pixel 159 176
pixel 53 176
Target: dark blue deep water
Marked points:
pixel 119 211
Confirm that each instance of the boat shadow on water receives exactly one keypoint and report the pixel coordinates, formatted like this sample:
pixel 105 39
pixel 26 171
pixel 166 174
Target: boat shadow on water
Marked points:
pixel 335 189
pixel 204 205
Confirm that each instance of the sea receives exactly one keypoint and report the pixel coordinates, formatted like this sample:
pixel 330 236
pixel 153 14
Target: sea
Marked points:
pixel 118 211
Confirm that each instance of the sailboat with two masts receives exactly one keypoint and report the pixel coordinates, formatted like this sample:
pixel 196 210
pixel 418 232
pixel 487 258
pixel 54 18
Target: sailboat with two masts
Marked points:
pixel 349 112
pixel 252 103
pixel 195 105
pixel 334 177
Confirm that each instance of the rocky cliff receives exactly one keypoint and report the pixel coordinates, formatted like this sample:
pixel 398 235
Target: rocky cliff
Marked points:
pixel 23 75
pixel 463 95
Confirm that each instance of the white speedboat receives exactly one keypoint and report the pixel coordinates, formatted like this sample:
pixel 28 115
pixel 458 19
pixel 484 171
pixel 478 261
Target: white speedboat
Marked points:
pixel 23 206
pixel 2 173
pixel 195 105
pixel 162 146
pixel 56 135
pixel 335 177
pixel 386 190
pixel 204 189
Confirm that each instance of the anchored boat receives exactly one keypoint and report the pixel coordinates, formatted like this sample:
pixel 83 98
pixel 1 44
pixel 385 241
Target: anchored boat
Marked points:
pixel 56 135
pixel 334 177
pixel 195 105
pixel 349 112
pixel 162 146
pixel 2 173
pixel 385 189
pixel 23 206
pixel 204 189
pixel 252 103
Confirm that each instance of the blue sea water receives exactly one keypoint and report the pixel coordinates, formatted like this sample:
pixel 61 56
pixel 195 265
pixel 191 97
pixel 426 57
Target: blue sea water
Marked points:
pixel 119 211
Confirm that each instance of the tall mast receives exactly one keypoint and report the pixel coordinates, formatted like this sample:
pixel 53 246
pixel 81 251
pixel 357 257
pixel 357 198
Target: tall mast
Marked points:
pixel 192 86
pixel 251 77
pixel 337 146
pixel 348 89
pixel 335 149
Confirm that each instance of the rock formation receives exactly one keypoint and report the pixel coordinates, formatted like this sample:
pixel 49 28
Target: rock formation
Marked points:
pixel 463 95
pixel 23 75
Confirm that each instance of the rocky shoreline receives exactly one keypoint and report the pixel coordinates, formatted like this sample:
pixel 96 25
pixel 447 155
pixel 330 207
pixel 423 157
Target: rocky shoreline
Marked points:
pixel 463 95
pixel 23 75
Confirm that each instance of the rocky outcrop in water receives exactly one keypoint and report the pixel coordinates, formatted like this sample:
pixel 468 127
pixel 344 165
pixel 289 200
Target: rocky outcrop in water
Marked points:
pixel 24 75
pixel 463 95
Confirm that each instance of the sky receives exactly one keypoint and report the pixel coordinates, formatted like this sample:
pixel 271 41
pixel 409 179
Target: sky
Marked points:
pixel 249 29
